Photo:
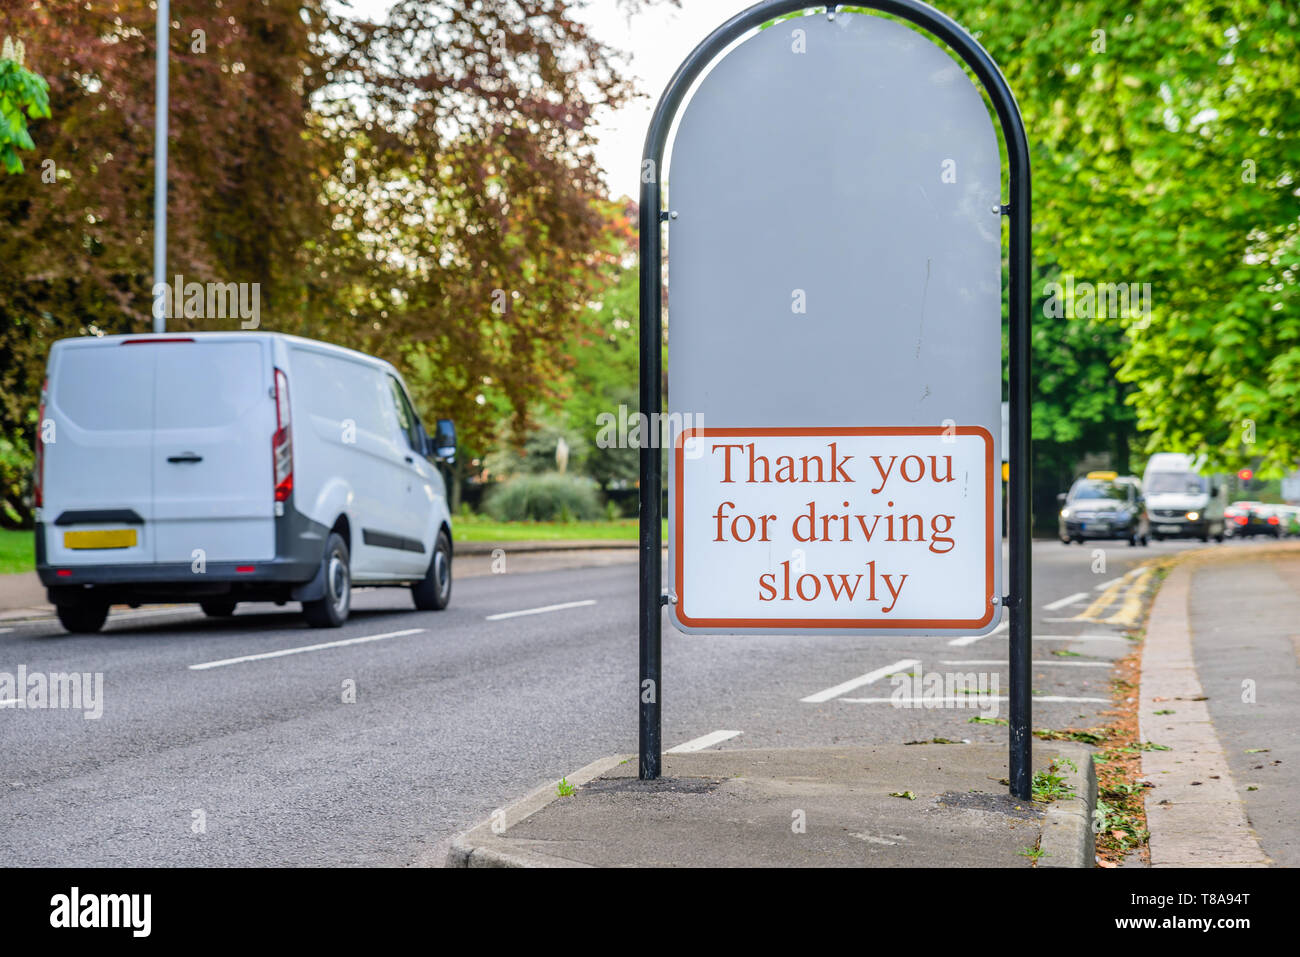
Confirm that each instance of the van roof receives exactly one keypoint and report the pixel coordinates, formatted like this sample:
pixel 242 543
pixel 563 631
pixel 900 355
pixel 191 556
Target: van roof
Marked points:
pixel 314 344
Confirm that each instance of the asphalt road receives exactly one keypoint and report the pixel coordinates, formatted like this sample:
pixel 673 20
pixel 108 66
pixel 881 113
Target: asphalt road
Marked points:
pixel 262 761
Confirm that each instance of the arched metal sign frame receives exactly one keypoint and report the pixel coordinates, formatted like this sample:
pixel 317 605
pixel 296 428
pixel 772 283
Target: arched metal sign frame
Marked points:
pixel 1017 209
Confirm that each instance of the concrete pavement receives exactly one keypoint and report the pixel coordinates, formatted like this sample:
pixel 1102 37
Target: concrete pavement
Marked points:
pixel 1221 691
pixel 929 805
pixel 23 596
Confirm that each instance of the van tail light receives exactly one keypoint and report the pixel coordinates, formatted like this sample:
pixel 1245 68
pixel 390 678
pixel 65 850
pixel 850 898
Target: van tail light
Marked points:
pixel 282 441
pixel 1240 519
pixel 1272 520
pixel 38 490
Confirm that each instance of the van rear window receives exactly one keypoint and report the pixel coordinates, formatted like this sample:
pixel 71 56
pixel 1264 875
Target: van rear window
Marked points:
pixel 212 384
pixel 104 388
pixel 101 388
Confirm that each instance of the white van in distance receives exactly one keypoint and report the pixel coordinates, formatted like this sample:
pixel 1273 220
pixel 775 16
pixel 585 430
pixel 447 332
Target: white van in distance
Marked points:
pixel 1181 501
pixel 223 467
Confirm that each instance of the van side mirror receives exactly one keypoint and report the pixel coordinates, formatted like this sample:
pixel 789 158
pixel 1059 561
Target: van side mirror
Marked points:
pixel 1215 489
pixel 1060 498
pixel 444 440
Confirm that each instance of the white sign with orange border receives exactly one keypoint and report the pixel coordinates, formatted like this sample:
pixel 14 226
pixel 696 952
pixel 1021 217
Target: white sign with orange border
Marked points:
pixel 855 530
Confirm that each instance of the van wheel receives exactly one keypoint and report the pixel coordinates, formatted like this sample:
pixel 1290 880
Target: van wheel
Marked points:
pixel 331 610
pixel 218 607
pixel 83 618
pixel 434 592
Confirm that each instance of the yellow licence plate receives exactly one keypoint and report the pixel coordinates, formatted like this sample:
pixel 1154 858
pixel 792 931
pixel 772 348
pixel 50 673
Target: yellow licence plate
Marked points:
pixel 105 538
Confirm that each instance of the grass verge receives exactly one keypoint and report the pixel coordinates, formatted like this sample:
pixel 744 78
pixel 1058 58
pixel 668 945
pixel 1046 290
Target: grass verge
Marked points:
pixel 480 529
pixel 17 551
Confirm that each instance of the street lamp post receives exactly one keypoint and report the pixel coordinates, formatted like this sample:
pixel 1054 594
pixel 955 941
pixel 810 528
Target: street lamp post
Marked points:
pixel 163 32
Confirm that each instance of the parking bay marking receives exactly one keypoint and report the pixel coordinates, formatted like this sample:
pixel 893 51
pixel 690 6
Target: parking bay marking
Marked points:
pixel 1077 637
pixel 1037 664
pixel 965 640
pixel 538 611
pixel 1115 581
pixel 304 648
pixel 702 742
pixel 972 701
pixel 1068 600
pixel 859 681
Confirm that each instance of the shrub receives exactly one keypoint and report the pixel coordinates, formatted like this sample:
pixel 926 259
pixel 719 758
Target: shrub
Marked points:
pixel 548 497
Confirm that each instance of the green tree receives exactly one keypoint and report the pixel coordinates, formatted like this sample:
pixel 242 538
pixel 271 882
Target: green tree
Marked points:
pixel 23 96
pixel 420 188
pixel 1165 149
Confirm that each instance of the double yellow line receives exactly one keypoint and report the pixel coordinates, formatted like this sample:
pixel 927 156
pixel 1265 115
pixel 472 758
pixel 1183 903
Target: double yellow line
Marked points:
pixel 1129 612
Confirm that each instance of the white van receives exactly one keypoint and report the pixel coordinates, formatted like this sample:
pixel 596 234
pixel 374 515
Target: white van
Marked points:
pixel 1181 501
pixel 222 467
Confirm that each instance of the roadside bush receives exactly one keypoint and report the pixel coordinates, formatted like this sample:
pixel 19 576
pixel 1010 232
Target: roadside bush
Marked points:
pixel 15 482
pixel 547 497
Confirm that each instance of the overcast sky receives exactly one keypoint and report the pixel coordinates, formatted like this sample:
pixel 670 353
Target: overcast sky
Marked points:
pixel 657 40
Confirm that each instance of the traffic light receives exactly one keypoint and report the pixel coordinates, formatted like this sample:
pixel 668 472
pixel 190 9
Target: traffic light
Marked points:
pixel 1246 474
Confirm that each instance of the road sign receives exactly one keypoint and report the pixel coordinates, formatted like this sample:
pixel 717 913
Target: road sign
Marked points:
pixel 870 529
pixel 835 293
pixel 836 264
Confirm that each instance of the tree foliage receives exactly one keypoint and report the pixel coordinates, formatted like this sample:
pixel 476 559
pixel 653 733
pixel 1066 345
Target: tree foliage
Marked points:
pixel 23 96
pixel 421 188
pixel 1165 149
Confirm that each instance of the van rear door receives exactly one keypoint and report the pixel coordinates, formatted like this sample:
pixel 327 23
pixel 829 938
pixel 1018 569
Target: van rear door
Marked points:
pixel 97 478
pixel 214 418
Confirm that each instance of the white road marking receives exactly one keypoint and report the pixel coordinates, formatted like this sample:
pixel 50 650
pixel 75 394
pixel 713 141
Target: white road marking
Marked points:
pixel 8 701
pixel 965 640
pixel 1075 637
pixel 1104 585
pixel 5 631
pixel 1076 619
pixel 1076 664
pixel 972 701
pixel 538 611
pixel 859 681
pixel 1067 600
pixel 704 741
pixel 304 648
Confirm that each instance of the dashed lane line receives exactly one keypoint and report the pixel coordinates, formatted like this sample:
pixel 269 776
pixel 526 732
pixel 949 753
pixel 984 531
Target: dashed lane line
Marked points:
pixel 538 611
pixel 302 649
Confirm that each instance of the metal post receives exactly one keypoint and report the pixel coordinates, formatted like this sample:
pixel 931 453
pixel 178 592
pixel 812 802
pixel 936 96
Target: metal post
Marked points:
pixel 650 614
pixel 162 33
pixel 1020 722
